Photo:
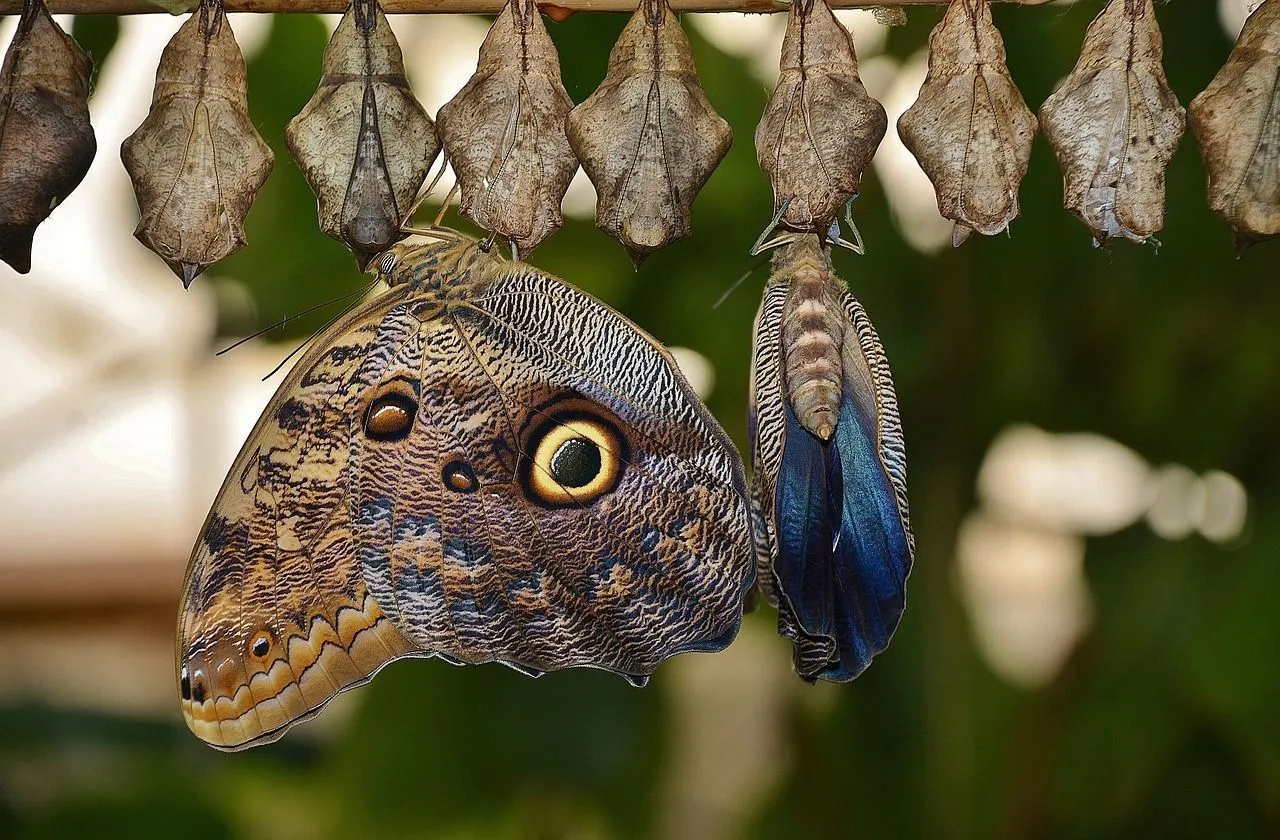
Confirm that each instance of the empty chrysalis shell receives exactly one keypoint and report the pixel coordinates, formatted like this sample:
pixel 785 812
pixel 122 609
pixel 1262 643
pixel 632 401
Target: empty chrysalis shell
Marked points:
pixel 363 141
pixel 1114 124
pixel 1236 120
pixel 830 519
pixel 820 128
pixel 46 142
pixel 196 161
pixel 504 132
pixel 647 137
pixel 970 128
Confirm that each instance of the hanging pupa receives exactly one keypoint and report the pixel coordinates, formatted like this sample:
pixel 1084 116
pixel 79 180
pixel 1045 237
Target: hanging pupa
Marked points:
pixel 829 491
pixel 969 128
pixel 504 133
pixel 821 128
pixel 46 142
pixel 1114 124
pixel 363 141
pixel 1236 121
pixel 196 161
pixel 647 137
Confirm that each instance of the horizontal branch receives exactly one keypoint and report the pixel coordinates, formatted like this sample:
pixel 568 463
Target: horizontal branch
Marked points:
pixel 134 7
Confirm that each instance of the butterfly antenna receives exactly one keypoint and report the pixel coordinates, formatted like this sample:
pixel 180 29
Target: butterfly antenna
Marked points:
pixel 737 283
pixel 278 324
pixel 312 337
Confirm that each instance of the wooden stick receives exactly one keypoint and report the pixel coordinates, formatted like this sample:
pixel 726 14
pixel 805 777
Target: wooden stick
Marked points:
pixel 487 7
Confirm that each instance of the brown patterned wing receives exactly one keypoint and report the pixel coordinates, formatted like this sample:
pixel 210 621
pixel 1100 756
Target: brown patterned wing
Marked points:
pixel 495 467
pixel 561 499
pixel 275 617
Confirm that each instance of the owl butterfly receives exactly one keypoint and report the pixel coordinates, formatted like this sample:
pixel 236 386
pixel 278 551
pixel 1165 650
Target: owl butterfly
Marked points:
pixel 829 493
pixel 481 464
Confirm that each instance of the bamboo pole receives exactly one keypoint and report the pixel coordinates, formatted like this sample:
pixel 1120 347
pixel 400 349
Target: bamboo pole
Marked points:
pixel 135 7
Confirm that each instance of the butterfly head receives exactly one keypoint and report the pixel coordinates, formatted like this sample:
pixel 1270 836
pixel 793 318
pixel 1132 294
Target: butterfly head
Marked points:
pixel 425 260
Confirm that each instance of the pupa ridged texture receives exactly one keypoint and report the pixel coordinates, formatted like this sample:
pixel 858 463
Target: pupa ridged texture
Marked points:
pixel 363 141
pixel 821 128
pixel 1236 121
pixel 1114 124
pixel 197 162
pixel 46 142
pixel 504 133
pixel 647 137
pixel 830 519
pixel 969 128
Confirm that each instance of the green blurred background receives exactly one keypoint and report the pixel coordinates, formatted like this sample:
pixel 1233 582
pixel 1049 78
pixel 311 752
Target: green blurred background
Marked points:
pixel 1163 721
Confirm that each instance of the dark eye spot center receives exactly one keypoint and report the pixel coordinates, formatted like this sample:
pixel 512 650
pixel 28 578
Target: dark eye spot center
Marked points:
pixel 261 646
pixel 184 684
pixel 576 463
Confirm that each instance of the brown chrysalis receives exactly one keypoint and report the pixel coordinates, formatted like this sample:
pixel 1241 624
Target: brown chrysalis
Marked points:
pixel 197 161
pixel 1236 120
pixel 648 138
pixel 46 142
pixel 970 128
pixel 363 141
pixel 1114 124
pixel 820 128
pixel 504 132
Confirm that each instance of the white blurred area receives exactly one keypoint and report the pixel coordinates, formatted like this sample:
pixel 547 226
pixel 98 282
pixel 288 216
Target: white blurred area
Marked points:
pixel 1233 13
pixel 1020 556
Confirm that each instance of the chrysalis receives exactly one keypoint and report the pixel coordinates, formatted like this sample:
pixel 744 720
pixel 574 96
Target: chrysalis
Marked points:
pixel 648 138
pixel 820 128
pixel 197 161
pixel 504 132
pixel 970 128
pixel 829 494
pixel 1237 123
pixel 46 142
pixel 363 141
pixel 1114 124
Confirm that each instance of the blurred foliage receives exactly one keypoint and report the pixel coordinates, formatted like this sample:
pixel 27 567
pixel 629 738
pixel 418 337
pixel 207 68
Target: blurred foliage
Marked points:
pixel 1164 722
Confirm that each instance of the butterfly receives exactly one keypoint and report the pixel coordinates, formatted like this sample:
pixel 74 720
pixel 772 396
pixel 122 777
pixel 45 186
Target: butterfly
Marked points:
pixel 829 493
pixel 480 464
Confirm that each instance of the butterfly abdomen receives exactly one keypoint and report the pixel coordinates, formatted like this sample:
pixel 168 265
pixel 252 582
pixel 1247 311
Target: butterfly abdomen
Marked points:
pixel 812 333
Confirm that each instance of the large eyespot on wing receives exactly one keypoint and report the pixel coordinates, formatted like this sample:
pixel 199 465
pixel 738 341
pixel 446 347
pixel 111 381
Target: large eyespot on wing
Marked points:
pixel 616 505
pixel 574 453
pixel 276 618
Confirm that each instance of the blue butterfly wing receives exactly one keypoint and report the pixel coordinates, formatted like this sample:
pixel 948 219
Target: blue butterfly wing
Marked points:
pixel 843 546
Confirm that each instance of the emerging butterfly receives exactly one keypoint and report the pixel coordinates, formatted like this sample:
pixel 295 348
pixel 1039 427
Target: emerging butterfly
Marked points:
pixel 481 464
pixel 829 494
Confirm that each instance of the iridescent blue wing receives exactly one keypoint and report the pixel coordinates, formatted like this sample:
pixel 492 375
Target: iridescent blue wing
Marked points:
pixel 832 531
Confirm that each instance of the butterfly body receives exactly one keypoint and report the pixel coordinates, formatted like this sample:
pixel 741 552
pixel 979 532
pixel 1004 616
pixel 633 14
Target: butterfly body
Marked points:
pixel 829 507
pixel 482 464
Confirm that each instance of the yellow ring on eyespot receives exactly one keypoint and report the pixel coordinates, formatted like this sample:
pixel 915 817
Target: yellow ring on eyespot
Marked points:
pixel 575 461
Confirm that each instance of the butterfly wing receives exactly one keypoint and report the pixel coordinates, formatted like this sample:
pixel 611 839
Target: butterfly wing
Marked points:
pixel 276 618
pixel 563 497
pixel 518 476
pixel 832 532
